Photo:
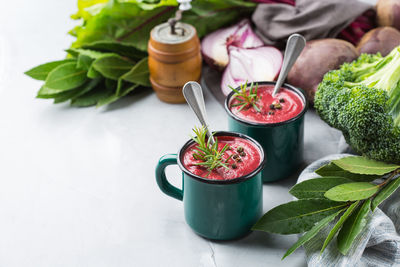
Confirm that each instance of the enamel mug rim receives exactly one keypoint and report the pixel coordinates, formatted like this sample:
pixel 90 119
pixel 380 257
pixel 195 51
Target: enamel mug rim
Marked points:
pixel 297 90
pixel 240 179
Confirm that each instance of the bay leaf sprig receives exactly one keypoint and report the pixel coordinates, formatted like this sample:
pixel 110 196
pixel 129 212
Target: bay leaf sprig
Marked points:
pixel 98 74
pixel 348 190
pixel 246 97
pixel 208 153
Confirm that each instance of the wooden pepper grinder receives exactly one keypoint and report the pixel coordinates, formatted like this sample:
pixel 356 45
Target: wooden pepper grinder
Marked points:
pixel 174 57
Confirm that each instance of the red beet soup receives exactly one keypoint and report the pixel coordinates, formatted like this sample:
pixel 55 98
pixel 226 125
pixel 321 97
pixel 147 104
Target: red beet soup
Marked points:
pixel 284 106
pixel 242 157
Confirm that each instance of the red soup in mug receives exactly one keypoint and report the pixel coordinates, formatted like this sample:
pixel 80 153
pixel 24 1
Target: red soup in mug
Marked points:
pixel 284 106
pixel 241 158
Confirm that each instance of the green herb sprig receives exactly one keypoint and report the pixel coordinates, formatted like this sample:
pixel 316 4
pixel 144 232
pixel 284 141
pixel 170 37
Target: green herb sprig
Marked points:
pixel 208 153
pixel 246 97
pixel 344 191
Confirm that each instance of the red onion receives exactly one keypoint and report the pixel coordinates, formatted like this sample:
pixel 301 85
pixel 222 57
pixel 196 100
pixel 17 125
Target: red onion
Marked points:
pixel 255 64
pixel 214 46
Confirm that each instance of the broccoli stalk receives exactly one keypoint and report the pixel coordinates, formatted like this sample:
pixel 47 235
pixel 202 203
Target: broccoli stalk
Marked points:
pixel 362 99
pixel 381 73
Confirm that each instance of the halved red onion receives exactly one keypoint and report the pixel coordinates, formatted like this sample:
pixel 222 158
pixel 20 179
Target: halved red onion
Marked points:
pixel 214 47
pixel 255 64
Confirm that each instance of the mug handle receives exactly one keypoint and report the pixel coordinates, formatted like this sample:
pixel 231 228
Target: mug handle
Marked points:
pixel 161 178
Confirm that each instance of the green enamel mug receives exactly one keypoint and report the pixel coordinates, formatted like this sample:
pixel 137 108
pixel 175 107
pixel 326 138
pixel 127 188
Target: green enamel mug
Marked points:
pixel 216 209
pixel 282 142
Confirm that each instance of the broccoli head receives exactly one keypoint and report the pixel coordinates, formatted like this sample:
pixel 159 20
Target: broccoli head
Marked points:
pixel 362 100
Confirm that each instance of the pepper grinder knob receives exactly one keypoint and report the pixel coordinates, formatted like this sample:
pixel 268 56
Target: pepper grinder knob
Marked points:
pixel 184 5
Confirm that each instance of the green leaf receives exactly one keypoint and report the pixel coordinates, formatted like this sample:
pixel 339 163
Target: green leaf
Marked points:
pixel 84 5
pixel 92 73
pixel 111 84
pixel 362 165
pixel 122 22
pixel 123 49
pixel 76 52
pixel 46 93
pixel 139 74
pixel 351 191
pixel 130 22
pixel 215 14
pixel 66 77
pixel 386 192
pixel 316 188
pixel 75 93
pixel 352 227
pixel 297 216
pixel 92 97
pixel 310 234
pixel 339 224
pixel 40 72
pixel 333 170
pixel 84 62
pixel 124 91
pixel 112 66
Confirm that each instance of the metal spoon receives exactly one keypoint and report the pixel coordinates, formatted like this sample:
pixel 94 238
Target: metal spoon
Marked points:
pixel 294 46
pixel 194 97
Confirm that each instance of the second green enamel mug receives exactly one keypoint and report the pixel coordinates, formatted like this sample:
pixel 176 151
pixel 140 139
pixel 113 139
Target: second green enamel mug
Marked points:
pixel 282 142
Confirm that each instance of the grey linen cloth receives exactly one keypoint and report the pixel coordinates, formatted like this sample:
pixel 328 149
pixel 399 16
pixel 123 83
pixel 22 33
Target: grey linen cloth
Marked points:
pixel 377 245
pixel 311 18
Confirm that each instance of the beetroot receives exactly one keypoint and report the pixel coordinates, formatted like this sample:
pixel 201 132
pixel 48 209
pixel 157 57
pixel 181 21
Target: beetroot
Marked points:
pixel 317 58
pixel 388 13
pixel 382 40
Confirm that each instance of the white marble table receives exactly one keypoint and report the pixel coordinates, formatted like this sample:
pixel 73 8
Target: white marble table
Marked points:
pixel 77 185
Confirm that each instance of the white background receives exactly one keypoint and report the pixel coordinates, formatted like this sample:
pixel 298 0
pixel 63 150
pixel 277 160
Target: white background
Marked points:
pixel 77 185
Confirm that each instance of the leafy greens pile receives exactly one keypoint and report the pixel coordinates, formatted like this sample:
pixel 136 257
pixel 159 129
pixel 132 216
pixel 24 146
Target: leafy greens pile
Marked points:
pixel 109 57
pixel 344 191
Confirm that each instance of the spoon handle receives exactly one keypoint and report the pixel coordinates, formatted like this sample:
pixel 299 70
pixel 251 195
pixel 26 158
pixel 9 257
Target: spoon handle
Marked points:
pixel 294 46
pixel 194 97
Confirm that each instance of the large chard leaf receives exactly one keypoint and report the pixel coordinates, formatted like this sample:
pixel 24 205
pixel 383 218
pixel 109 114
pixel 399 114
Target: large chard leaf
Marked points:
pixel 122 22
pixel 86 8
pixel 333 170
pixel 297 216
pixel 130 22
pixel 316 188
pixel 362 165
pixel 352 191
pixel 210 15
pixel 151 4
pixel 352 227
